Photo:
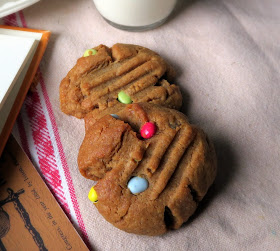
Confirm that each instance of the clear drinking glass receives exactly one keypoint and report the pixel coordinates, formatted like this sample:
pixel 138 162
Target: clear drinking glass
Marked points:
pixel 135 15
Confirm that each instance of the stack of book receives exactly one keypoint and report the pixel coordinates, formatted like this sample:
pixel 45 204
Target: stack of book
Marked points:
pixel 21 51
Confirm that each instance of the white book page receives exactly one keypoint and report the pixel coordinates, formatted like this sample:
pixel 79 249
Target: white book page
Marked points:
pixel 14 53
pixel 20 33
pixel 14 71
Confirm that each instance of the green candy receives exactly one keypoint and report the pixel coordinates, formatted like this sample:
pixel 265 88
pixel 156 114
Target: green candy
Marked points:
pixel 124 98
pixel 90 52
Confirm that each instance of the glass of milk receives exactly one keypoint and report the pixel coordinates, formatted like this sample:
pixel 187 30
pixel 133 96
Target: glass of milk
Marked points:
pixel 135 15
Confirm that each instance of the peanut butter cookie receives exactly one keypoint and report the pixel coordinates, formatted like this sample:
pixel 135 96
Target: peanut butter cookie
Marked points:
pixel 112 77
pixel 152 167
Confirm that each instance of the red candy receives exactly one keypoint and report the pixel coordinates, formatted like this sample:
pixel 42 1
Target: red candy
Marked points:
pixel 148 130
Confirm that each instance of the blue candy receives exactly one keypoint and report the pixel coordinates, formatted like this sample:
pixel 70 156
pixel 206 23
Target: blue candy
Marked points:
pixel 115 116
pixel 137 185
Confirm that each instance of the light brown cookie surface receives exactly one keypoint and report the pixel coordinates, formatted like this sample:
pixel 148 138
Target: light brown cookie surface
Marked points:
pixel 94 82
pixel 178 162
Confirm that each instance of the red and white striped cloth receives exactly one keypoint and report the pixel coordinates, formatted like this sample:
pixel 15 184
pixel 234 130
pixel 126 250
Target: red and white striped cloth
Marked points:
pixel 38 134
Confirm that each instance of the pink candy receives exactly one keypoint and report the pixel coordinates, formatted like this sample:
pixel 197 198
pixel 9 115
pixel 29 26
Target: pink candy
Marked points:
pixel 148 130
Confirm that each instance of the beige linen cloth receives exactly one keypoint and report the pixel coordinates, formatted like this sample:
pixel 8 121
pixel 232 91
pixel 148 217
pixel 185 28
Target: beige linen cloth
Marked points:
pixel 226 54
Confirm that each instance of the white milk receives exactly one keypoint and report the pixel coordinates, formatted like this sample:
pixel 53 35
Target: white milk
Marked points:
pixel 135 13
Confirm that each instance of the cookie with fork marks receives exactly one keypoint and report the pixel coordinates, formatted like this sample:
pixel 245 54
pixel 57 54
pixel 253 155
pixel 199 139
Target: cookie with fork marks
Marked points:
pixel 147 185
pixel 110 77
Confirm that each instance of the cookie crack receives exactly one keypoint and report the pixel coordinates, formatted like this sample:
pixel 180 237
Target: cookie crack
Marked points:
pixel 122 218
pixel 194 194
pixel 117 149
pixel 169 218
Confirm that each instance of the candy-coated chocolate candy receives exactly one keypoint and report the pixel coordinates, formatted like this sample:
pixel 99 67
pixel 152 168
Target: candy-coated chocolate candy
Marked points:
pixel 148 130
pixel 90 52
pixel 115 116
pixel 137 185
pixel 124 98
pixel 92 195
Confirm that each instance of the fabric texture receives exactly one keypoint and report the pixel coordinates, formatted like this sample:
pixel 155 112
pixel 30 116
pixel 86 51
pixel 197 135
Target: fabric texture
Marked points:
pixel 226 54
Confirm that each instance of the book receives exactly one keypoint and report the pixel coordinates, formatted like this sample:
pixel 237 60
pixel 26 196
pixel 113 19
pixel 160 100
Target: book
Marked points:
pixel 21 51
pixel 30 217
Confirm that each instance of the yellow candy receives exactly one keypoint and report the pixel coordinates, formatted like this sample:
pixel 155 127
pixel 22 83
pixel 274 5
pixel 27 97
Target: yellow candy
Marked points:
pixel 92 195
pixel 90 52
